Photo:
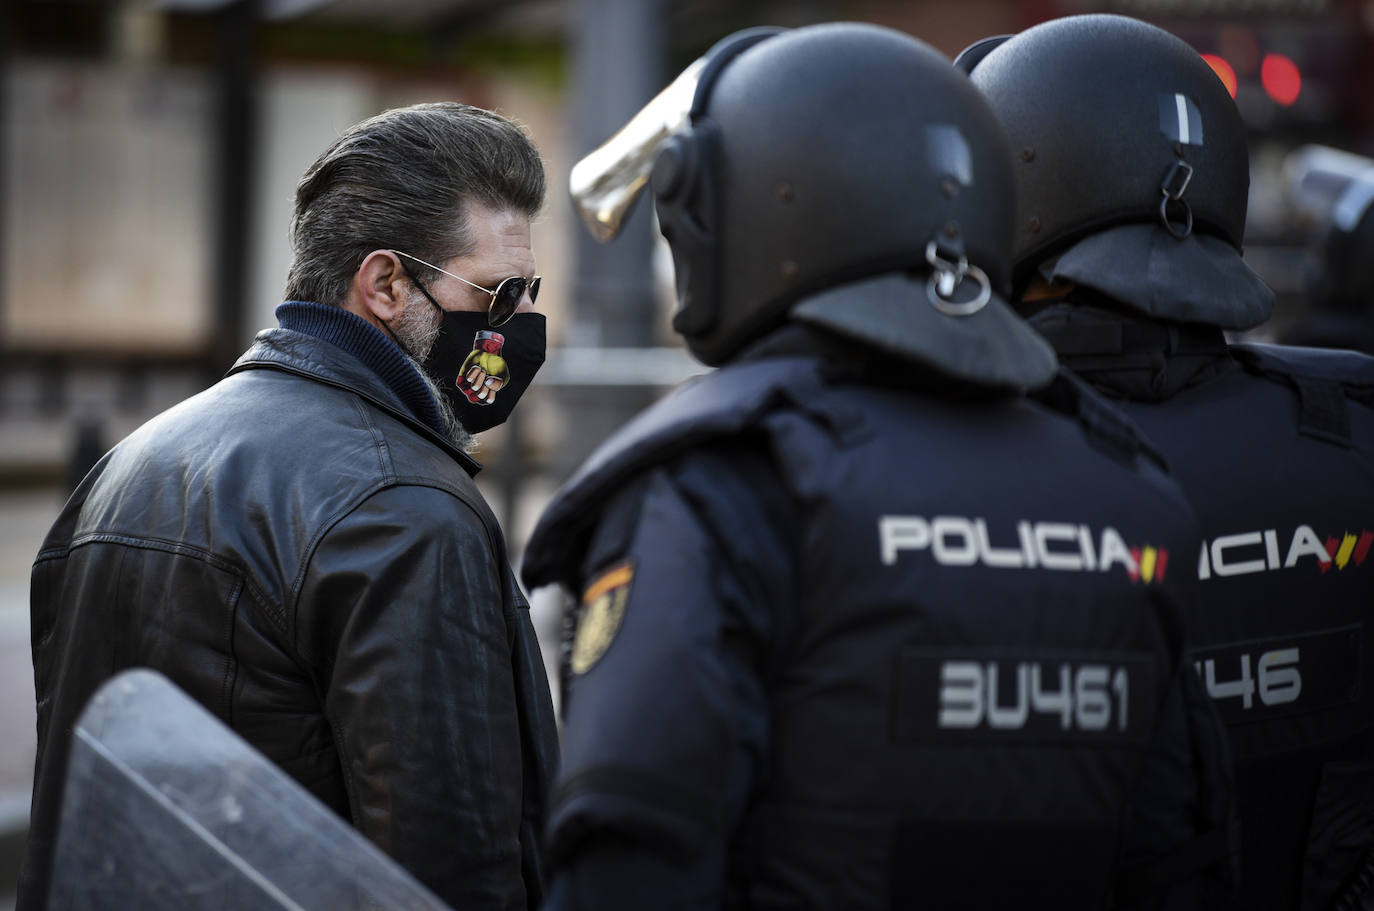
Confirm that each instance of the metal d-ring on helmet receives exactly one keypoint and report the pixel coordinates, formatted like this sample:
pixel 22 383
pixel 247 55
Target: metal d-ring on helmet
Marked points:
pixel 945 279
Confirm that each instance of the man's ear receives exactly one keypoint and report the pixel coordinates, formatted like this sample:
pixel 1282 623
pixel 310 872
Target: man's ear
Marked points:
pixel 378 290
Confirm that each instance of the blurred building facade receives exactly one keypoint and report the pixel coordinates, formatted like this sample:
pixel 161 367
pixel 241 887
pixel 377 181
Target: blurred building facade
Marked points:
pixel 149 151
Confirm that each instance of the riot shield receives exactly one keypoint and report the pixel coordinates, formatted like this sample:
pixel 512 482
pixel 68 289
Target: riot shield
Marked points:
pixel 166 808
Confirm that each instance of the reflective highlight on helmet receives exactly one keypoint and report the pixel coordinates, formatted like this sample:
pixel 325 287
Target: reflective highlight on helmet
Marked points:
pixel 606 182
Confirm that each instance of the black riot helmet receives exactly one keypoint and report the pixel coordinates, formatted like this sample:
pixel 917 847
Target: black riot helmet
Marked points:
pixel 1113 121
pixel 842 174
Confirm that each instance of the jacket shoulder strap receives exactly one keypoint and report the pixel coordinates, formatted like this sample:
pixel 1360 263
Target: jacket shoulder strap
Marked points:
pixel 1325 380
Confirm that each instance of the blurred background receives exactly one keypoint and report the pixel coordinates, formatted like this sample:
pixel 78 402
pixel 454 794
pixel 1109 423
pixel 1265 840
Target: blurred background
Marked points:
pixel 149 150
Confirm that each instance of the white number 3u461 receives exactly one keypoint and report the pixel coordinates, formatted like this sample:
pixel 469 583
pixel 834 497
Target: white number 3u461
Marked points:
pixel 1088 697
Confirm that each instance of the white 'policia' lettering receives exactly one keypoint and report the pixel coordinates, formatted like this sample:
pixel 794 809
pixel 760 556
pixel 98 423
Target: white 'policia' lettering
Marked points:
pixel 1257 552
pixel 960 541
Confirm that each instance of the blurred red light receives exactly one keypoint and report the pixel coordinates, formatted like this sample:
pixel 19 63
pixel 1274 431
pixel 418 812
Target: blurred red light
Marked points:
pixel 1281 78
pixel 1223 71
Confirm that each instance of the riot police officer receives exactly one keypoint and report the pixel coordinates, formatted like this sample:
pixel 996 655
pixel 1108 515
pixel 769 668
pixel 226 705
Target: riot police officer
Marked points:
pixel 1132 178
pixel 860 625
pixel 1335 188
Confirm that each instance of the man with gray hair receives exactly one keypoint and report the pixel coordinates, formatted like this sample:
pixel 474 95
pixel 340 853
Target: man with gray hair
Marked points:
pixel 301 547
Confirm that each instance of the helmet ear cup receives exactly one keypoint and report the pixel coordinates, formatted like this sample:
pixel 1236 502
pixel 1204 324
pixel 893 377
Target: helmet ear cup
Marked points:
pixel 675 169
pixel 684 198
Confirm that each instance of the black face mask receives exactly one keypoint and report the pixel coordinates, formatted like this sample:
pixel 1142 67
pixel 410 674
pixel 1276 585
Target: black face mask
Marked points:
pixel 482 371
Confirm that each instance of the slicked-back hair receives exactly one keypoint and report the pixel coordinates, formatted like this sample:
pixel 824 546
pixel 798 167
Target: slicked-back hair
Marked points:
pixel 404 180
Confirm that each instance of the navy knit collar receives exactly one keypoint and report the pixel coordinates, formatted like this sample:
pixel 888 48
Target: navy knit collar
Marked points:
pixel 368 344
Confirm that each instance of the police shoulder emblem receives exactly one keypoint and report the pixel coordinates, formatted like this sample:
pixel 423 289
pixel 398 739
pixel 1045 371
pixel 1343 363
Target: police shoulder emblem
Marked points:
pixel 603 609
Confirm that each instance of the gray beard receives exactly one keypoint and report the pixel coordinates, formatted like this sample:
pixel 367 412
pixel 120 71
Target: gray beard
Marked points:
pixel 416 331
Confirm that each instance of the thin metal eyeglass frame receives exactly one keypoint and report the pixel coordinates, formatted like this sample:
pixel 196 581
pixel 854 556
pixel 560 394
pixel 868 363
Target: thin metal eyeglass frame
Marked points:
pixel 532 285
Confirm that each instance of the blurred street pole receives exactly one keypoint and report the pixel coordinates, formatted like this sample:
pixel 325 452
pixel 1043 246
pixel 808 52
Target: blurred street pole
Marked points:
pixel 236 123
pixel 7 22
pixel 618 53
pixel 619 48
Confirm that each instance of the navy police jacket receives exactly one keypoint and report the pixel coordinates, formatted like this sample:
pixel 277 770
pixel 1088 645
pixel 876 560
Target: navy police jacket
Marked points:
pixel 842 644
pixel 1275 448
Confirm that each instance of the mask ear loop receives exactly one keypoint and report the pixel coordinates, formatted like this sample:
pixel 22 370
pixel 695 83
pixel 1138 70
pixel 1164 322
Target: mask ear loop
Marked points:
pixel 945 279
pixel 423 289
pixel 392 332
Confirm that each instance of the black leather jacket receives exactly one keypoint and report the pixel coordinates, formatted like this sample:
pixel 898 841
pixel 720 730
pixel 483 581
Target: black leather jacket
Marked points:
pixel 315 566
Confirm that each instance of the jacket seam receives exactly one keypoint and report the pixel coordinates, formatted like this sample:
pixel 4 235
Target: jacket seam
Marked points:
pixel 338 732
pixel 469 465
pixel 326 526
pixel 457 493
pixel 230 676
pixel 355 802
pixel 379 440
pixel 178 548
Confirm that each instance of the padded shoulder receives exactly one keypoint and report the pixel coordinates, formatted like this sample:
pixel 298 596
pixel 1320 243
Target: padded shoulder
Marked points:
pixel 725 403
pixel 1326 381
pixel 1348 367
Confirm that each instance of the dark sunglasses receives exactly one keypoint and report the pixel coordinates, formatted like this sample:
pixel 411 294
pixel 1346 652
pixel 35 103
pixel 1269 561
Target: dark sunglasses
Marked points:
pixel 505 300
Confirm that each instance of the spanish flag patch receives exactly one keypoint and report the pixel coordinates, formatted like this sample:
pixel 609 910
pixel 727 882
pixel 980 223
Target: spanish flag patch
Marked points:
pixel 603 609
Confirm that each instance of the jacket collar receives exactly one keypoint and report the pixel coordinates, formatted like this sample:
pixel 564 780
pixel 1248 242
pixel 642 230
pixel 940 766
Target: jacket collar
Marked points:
pixel 1130 356
pixel 1200 279
pixel 317 360
pixel 381 354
